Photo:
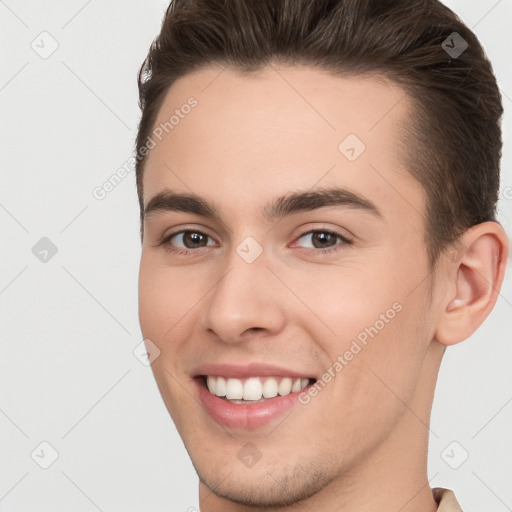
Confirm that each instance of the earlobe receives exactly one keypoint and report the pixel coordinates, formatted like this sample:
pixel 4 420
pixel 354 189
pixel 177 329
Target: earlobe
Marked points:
pixel 477 275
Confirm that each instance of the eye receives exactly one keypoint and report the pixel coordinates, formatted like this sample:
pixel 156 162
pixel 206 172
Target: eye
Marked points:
pixel 324 240
pixel 185 240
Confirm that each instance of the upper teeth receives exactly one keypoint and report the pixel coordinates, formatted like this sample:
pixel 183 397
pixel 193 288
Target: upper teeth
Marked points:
pixel 254 388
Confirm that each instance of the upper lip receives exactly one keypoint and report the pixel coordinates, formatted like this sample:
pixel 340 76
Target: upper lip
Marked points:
pixel 241 371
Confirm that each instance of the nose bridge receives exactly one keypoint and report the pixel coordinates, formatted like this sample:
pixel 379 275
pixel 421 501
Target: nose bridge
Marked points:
pixel 245 296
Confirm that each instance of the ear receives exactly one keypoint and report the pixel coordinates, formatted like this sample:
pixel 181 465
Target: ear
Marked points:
pixel 475 271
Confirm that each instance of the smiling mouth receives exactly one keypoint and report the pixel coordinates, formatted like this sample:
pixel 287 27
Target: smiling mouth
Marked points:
pixel 253 389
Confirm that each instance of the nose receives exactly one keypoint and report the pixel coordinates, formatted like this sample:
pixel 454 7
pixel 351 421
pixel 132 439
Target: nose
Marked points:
pixel 246 299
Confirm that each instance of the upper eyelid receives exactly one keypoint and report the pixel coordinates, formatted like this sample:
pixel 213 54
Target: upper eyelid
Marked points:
pixel 324 230
pixel 344 239
pixel 186 229
pixel 170 236
pixel 301 232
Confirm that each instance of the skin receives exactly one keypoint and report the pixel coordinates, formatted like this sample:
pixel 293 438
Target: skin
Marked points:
pixel 361 443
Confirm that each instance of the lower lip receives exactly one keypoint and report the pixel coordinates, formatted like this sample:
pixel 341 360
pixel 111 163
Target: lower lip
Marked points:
pixel 245 416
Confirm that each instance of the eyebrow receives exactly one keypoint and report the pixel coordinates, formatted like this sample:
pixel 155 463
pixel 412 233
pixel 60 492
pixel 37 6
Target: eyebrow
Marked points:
pixel 293 202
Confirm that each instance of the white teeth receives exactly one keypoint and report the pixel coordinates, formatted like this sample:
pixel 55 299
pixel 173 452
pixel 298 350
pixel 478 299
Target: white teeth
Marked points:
pixel 254 388
pixel 210 382
pixel 234 389
pixel 270 388
pixel 296 385
pixel 285 386
pixel 220 386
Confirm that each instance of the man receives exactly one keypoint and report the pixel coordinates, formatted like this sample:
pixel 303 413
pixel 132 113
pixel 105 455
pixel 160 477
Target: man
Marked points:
pixel 318 182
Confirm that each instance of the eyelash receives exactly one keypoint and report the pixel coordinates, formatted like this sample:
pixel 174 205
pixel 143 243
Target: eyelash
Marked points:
pixel 345 241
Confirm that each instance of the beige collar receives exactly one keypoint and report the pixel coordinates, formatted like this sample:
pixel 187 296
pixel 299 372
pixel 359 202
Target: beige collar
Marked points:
pixel 446 500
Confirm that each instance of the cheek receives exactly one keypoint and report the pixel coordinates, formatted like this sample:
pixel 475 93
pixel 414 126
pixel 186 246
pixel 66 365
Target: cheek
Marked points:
pixel 367 320
pixel 346 301
pixel 385 372
pixel 153 304
pixel 379 300
pixel 165 297
pixel 164 301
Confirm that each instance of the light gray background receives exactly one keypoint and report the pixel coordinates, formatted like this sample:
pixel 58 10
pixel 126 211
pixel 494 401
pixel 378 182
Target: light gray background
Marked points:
pixel 68 375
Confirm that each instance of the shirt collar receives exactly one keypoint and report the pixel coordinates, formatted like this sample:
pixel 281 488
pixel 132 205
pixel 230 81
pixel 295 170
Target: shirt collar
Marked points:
pixel 446 500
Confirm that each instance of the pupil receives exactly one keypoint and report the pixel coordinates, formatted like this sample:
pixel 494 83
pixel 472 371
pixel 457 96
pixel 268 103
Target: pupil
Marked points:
pixel 323 238
pixel 193 238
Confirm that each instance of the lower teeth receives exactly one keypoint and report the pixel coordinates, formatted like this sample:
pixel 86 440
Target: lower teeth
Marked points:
pixel 239 402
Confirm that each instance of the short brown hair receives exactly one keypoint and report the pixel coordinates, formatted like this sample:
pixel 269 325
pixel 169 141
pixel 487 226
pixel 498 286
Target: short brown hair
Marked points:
pixel 454 134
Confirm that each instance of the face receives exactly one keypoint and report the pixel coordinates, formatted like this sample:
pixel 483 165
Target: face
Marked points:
pixel 294 279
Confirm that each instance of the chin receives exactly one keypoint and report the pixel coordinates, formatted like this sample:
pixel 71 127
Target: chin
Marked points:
pixel 267 486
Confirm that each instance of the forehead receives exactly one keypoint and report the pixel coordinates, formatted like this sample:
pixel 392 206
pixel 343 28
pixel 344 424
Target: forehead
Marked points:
pixel 281 129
